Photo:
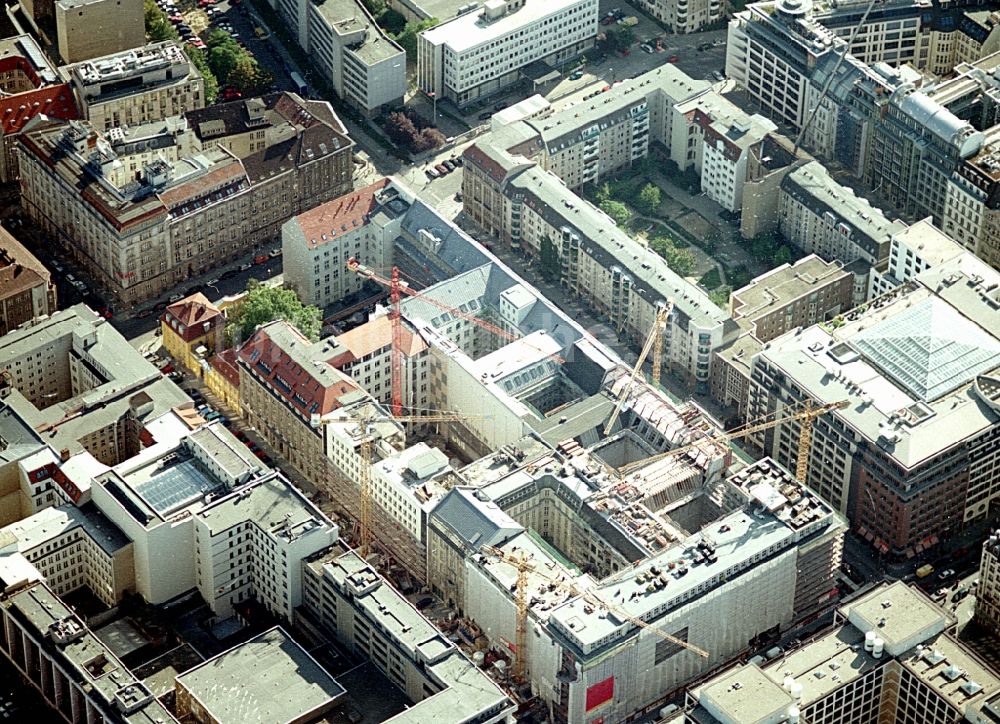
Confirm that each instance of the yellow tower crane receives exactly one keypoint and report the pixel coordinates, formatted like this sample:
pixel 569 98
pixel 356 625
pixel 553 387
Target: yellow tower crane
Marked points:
pixel 523 567
pixel 366 449
pixel 806 417
pixel 654 343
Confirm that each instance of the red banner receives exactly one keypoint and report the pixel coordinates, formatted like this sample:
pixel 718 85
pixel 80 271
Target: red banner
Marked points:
pixel 600 692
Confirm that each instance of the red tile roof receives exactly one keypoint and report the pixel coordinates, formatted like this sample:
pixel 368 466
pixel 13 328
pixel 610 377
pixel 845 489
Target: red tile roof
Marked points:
pixel 193 313
pixel 338 216
pixel 55 101
pixel 279 357
pixel 225 364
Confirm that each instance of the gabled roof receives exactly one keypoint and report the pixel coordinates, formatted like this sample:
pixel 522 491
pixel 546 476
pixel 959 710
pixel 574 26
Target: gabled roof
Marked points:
pixel 195 316
pixel 281 358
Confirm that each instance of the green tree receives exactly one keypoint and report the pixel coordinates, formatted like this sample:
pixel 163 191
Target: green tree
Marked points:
pixel 617 211
pixel 223 59
pixel 782 256
pixel 720 296
pixel 649 199
pixel 548 259
pixel 248 77
pixel 158 25
pixel 407 39
pixel 265 304
pixel 681 261
pixel 624 37
pixel 211 83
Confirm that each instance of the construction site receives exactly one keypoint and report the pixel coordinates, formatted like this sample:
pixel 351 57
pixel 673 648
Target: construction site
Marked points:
pixel 592 545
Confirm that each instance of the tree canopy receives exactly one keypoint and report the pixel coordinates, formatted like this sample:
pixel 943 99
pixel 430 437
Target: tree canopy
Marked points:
pixel 158 25
pixel 407 39
pixel 233 66
pixel 616 210
pixel 649 199
pixel 265 304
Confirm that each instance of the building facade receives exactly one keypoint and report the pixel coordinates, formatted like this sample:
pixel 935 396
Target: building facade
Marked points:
pixel 480 53
pixel 88 29
pixel 141 84
pixel 912 459
pixel 888 657
pixel 192 330
pixel 26 287
pixel 148 223
pixel 988 590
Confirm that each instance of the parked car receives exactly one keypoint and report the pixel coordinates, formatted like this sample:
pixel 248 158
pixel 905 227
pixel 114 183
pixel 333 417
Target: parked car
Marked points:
pixel 275 252
pixel 485 115
pixel 449 164
pixel 175 298
pixel 231 94
pixel 457 161
pixel 946 574
pixel 576 75
pixel 646 48
pixel 441 169
pixel 432 173
pixel 673 58
pixel 718 76
pixel 261 259
pixel 248 265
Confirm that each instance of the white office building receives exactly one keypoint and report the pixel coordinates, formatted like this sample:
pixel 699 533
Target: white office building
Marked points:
pixel 480 53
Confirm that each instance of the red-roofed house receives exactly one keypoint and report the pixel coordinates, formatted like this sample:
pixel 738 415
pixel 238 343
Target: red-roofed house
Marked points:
pixel 223 378
pixel 193 330
pixel 284 381
pixel 317 244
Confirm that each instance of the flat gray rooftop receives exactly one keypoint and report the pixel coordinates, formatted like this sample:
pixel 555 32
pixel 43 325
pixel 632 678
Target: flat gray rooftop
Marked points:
pixel 268 679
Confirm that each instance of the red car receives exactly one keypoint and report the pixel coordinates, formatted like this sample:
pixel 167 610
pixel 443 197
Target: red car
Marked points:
pixel 264 259
pixel 231 94
pixel 673 59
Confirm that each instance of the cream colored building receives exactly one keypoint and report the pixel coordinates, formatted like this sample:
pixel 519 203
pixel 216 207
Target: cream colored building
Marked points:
pixel 207 196
pixel 987 592
pixel 88 29
pixel 138 85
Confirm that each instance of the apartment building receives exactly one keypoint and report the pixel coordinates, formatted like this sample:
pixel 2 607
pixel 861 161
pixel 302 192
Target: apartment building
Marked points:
pixel 685 16
pixel 138 85
pixel 792 295
pixel 31 88
pixel 192 330
pixel 367 358
pixel 365 67
pixel 890 656
pixel 822 217
pixel 987 591
pixel 316 245
pixel 913 457
pixel 346 597
pixel 592 140
pixel 727 144
pixel 603 265
pixel 26 287
pixel 148 222
pixel 88 29
pixel 284 381
pixel 480 53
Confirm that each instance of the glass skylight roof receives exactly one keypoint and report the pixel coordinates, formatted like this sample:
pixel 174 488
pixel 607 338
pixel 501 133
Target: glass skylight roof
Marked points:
pixel 929 349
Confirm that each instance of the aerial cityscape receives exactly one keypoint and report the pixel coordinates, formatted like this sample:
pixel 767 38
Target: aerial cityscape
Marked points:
pixel 544 361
